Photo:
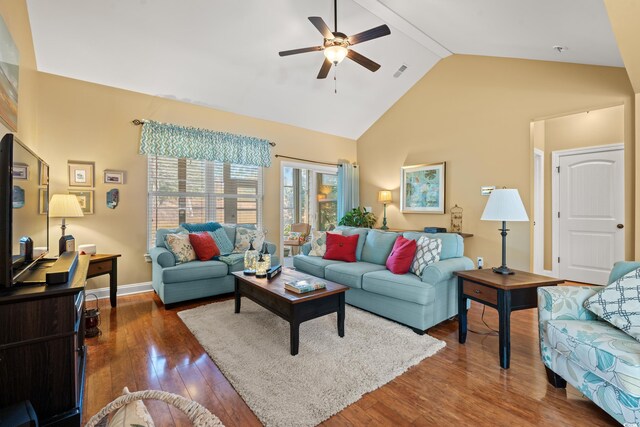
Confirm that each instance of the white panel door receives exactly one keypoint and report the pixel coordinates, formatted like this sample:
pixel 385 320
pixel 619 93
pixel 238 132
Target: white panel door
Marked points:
pixel 591 215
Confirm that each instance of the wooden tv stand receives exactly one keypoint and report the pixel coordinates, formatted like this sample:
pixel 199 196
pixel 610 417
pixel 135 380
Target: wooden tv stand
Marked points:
pixel 42 352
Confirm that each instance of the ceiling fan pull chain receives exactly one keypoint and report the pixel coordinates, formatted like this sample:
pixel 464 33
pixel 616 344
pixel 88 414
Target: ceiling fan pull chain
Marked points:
pixel 335 80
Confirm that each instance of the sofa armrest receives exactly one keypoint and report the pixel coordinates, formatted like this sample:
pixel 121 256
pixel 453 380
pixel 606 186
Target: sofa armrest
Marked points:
pixel 306 248
pixel 621 268
pixel 162 257
pixel 565 302
pixel 443 270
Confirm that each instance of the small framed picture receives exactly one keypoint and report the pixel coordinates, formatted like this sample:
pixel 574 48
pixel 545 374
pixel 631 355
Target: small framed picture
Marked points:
pixel 44 173
pixel 43 201
pixel 113 177
pixel 422 188
pixel 81 174
pixel 20 171
pixel 85 198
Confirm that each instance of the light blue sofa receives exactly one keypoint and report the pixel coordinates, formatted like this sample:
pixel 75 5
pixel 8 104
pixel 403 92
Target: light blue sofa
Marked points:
pixel 196 279
pixel 592 355
pixel 418 302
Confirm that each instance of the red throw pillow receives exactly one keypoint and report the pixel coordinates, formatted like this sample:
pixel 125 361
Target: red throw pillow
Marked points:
pixel 341 248
pixel 204 246
pixel 401 256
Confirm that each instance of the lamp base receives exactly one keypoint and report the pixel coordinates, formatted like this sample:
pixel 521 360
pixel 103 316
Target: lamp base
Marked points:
pixel 503 270
pixel 384 227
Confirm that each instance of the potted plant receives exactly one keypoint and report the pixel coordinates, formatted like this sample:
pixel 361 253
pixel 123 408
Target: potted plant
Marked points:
pixel 358 217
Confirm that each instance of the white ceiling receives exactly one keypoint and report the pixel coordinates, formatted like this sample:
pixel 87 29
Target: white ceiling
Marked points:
pixel 224 53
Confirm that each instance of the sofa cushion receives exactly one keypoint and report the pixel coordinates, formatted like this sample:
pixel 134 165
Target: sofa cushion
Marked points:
pixel 199 227
pixel 350 274
pixel 246 237
pixel 319 242
pixel 195 270
pixel 312 264
pixel 161 232
pixel 204 245
pixel 427 252
pixel 341 248
pixel 222 240
pixel 619 303
pixel 180 247
pixel 406 287
pixel 401 256
pixel 362 232
pixel 452 243
pixel 377 246
pixel 600 348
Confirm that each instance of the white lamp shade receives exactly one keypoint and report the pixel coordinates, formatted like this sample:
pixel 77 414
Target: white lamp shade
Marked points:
pixel 64 206
pixel 384 196
pixel 504 205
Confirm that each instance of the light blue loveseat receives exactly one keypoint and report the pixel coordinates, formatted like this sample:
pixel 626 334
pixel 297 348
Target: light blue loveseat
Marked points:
pixel 196 279
pixel 418 302
pixel 591 354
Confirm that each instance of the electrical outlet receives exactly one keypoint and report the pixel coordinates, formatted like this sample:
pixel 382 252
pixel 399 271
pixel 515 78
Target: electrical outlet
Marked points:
pixel 368 209
pixel 480 262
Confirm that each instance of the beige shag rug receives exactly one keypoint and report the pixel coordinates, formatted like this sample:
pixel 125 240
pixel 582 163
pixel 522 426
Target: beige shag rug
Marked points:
pixel 328 374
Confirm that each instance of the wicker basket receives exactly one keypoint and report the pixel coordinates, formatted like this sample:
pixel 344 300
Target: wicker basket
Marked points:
pixel 197 414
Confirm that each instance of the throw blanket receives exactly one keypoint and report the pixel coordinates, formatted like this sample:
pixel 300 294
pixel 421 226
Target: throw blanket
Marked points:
pixel 231 259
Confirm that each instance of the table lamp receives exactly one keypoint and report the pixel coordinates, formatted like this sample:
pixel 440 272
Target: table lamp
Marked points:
pixel 65 206
pixel 384 197
pixel 504 205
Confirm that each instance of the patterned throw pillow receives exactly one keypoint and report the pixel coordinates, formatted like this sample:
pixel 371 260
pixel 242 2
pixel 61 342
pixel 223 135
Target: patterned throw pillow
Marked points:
pixel 428 252
pixel 132 414
pixel 180 247
pixel 319 242
pixel 222 241
pixel 244 236
pixel 619 303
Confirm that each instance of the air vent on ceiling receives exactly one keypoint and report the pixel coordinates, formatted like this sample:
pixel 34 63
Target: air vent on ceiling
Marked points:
pixel 400 71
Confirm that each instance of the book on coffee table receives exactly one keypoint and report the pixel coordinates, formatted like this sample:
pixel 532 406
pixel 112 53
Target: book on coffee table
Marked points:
pixel 303 286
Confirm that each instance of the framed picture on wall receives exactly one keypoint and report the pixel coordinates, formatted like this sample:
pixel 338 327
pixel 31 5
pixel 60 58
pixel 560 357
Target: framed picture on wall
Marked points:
pixel 113 177
pixel 44 173
pixel 81 174
pixel 422 188
pixel 85 198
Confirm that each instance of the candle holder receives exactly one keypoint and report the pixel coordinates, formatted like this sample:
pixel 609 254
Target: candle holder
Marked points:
pixel 250 259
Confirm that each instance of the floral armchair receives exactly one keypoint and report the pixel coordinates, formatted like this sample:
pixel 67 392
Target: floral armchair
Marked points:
pixel 595 357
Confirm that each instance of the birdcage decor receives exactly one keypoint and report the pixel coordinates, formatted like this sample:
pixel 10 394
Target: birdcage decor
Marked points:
pixel 456 219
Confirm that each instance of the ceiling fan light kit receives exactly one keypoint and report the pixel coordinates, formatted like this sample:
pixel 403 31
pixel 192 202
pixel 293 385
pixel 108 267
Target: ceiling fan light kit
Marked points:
pixel 337 46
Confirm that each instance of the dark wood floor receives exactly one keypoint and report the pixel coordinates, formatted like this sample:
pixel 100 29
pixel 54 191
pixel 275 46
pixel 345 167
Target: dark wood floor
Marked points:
pixel 144 346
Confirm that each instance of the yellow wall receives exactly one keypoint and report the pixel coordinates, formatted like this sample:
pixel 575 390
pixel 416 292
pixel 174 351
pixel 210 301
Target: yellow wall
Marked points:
pixel 474 113
pixel 597 127
pixel 90 122
pixel 623 15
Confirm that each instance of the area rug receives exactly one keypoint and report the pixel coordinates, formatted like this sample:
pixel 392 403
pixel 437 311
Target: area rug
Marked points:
pixel 328 374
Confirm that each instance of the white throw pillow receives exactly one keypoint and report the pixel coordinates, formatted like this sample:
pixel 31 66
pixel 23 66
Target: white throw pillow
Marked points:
pixel 619 303
pixel 244 237
pixel 319 242
pixel 427 252
pixel 180 247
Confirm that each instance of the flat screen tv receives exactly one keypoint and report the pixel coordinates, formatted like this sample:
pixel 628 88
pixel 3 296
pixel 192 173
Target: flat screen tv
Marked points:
pixel 24 197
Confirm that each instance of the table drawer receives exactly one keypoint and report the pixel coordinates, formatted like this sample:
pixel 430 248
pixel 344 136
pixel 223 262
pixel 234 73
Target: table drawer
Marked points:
pixel 101 267
pixel 481 292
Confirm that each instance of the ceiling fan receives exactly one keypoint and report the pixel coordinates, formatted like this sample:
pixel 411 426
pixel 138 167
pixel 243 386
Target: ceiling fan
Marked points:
pixel 337 46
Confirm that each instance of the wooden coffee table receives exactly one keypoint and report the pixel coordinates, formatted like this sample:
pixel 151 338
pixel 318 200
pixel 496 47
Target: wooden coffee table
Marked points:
pixel 505 293
pixel 292 307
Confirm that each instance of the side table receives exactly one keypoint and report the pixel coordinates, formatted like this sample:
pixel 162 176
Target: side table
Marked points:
pixel 106 264
pixel 505 293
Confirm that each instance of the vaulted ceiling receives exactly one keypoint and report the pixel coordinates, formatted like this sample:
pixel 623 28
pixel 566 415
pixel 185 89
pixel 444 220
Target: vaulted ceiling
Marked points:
pixel 223 54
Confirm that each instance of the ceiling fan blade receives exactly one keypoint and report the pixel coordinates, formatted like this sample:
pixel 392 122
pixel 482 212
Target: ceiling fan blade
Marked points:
pixel 302 50
pixel 363 60
pixel 321 26
pixel 324 70
pixel 371 34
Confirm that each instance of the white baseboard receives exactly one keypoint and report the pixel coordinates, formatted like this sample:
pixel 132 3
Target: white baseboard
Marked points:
pixel 134 288
pixel 548 273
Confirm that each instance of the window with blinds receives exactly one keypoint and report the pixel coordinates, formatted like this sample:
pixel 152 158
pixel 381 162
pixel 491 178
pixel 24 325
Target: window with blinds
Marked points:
pixel 196 191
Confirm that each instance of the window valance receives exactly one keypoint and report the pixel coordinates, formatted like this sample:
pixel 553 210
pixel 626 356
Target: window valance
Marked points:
pixel 163 139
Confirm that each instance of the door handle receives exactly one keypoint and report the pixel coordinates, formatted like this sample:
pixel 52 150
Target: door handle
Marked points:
pixel 620 226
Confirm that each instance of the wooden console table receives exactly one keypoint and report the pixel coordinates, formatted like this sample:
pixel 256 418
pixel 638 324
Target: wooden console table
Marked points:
pixel 106 264
pixel 505 293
